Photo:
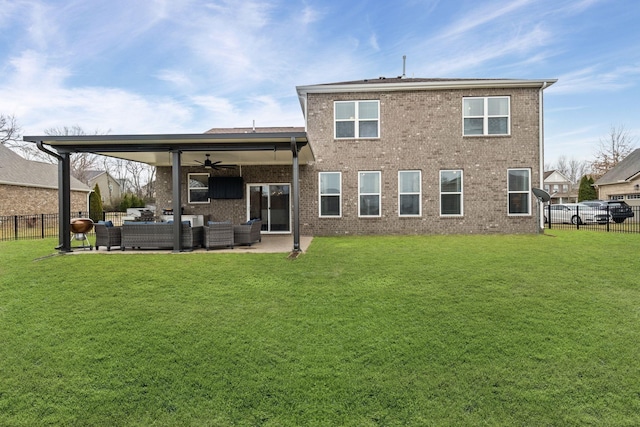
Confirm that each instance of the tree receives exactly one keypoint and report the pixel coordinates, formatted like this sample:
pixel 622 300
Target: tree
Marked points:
pixel 95 205
pixel 587 191
pixel 617 145
pixel 573 169
pixel 81 163
pixel 9 130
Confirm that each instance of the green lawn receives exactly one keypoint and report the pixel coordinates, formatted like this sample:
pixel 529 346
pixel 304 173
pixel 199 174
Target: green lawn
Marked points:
pixel 359 331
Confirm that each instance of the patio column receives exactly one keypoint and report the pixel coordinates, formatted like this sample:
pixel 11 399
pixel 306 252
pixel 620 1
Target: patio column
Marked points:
pixel 177 200
pixel 64 196
pixel 64 201
pixel 296 196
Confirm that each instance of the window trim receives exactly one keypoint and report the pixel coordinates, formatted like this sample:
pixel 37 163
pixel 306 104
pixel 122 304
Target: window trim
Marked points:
pixel 486 116
pixel 409 193
pixel 379 194
pixel 460 193
pixel 528 192
pixel 356 120
pixel 189 188
pixel 321 195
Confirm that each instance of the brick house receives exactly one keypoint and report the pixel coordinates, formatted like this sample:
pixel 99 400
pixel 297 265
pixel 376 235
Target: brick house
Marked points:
pixel 28 187
pixel 382 156
pixel 622 182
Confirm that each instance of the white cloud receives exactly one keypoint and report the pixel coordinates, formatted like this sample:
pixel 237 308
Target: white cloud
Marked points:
pixel 596 80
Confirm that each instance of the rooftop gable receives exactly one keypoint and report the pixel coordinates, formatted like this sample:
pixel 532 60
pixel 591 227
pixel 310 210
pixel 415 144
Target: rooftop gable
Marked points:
pixel 16 170
pixel 625 170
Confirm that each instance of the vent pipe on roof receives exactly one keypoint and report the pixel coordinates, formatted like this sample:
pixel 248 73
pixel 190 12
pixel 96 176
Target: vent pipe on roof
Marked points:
pixel 404 66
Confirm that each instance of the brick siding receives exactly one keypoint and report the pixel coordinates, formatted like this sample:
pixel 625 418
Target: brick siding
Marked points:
pixel 21 200
pixel 419 130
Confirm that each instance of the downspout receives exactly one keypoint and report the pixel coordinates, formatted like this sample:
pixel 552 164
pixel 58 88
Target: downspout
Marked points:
pixel 296 196
pixel 541 143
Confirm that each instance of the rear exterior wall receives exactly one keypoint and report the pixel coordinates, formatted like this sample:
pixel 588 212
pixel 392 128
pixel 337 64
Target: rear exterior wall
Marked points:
pixel 422 130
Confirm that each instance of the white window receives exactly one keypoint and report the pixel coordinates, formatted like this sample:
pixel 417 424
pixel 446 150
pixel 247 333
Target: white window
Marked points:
pixel 369 194
pixel 198 187
pixel 330 194
pixel 451 192
pixel 486 115
pixel 409 193
pixel 518 189
pixel 357 119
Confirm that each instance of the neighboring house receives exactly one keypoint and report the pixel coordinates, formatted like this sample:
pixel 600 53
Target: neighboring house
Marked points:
pixel 28 187
pixel 381 156
pixel 623 181
pixel 111 189
pixel 559 187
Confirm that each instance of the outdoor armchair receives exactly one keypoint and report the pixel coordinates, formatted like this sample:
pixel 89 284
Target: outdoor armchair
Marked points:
pixel 107 236
pixel 247 233
pixel 218 234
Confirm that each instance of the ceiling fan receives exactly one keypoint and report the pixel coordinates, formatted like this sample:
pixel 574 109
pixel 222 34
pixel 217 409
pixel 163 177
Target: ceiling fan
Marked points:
pixel 208 164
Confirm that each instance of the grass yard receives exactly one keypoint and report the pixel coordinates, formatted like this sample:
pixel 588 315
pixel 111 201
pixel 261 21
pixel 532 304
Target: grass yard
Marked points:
pixel 359 331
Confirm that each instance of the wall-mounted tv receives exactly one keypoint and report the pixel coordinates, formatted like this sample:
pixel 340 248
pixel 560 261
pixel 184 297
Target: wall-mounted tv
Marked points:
pixel 226 187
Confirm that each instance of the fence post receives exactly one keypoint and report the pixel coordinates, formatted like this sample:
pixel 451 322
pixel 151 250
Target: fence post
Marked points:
pixel 15 226
pixel 549 215
pixel 42 225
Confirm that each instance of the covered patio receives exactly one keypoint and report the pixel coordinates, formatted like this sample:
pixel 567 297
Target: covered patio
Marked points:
pixel 241 147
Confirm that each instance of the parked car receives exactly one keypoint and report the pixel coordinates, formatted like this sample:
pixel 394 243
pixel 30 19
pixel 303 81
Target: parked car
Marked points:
pixel 575 213
pixel 618 209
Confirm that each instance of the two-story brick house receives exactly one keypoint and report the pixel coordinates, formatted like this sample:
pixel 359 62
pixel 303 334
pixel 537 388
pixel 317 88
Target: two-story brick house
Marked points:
pixel 382 156
pixel 423 156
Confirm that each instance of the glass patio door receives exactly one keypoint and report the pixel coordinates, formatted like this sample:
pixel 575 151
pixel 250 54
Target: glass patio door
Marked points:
pixel 272 203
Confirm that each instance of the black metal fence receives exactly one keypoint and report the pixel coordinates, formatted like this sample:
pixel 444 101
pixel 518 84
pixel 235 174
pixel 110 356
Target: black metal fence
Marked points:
pixel 40 226
pixel 583 218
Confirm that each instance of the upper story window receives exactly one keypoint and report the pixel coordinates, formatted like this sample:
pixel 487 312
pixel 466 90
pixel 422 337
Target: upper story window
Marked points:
pixel 486 115
pixel 518 189
pixel 369 194
pixel 409 193
pixel 198 187
pixel 330 194
pixel 357 119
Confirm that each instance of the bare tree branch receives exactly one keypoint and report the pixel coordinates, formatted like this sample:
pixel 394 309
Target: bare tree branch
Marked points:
pixel 617 145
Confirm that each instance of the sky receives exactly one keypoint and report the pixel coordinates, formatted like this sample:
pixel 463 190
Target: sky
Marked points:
pixel 185 66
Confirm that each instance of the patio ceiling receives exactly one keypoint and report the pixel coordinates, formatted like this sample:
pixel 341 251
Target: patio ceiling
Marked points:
pixel 249 148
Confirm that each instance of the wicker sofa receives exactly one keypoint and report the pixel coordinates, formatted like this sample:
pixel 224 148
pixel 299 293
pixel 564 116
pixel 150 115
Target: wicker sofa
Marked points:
pixel 107 235
pixel 218 234
pixel 248 233
pixel 158 235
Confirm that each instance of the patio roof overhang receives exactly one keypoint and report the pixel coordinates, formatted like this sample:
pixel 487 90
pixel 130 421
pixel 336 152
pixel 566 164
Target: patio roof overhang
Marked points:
pixel 250 148
pixel 177 150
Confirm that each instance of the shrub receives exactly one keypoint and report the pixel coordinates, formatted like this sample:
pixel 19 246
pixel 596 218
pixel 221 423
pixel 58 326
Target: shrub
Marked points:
pixel 95 205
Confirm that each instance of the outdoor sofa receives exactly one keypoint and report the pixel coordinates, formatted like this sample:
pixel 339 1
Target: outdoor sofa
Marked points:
pixel 107 234
pixel 159 235
pixel 247 233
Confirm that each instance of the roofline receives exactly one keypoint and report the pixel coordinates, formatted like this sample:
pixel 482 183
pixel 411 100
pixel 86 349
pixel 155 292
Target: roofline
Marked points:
pixel 169 138
pixel 424 85
pixel 48 187
pixel 167 142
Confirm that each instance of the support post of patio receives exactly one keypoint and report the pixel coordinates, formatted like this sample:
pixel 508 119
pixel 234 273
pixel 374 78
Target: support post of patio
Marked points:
pixel 64 196
pixel 64 201
pixel 296 196
pixel 177 198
